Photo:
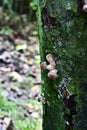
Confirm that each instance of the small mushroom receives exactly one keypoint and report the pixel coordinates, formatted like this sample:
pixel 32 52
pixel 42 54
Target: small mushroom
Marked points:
pixel 50 67
pixel 50 59
pixel 43 65
pixel 85 8
pixel 53 74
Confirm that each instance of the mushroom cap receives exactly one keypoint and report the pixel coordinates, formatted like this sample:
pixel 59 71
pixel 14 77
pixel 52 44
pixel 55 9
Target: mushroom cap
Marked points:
pixel 49 58
pixel 53 74
pixel 85 8
pixel 43 65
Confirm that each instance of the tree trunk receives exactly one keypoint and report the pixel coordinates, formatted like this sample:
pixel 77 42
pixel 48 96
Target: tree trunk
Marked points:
pixel 63 33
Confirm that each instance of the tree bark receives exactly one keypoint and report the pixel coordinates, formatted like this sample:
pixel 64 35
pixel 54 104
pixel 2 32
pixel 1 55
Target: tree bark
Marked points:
pixel 63 33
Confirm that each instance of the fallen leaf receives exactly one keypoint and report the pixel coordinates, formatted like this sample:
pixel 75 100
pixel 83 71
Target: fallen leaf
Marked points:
pixel 7 124
pixel 21 47
pixel 5 69
pixel 34 91
pixel 16 76
pixel 35 115
pixel 29 106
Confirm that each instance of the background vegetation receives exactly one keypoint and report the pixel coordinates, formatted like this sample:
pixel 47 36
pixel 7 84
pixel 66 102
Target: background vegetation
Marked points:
pixel 20 71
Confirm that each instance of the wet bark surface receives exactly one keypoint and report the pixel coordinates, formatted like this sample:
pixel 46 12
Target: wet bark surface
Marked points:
pixel 63 28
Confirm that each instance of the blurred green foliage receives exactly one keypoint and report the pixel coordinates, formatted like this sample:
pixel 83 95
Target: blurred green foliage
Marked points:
pixel 35 2
pixel 27 7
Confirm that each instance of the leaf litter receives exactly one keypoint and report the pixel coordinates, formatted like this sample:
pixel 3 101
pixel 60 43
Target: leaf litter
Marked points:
pixel 20 77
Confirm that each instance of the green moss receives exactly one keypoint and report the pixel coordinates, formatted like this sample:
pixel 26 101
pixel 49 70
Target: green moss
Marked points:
pixel 67 41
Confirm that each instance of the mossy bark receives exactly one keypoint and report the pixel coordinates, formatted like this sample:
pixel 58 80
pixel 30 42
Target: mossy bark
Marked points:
pixel 63 33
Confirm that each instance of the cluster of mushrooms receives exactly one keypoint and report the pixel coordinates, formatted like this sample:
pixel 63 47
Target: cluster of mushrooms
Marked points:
pixel 52 74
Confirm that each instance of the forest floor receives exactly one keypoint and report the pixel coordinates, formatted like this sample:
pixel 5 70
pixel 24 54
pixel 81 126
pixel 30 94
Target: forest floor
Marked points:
pixel 20 77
